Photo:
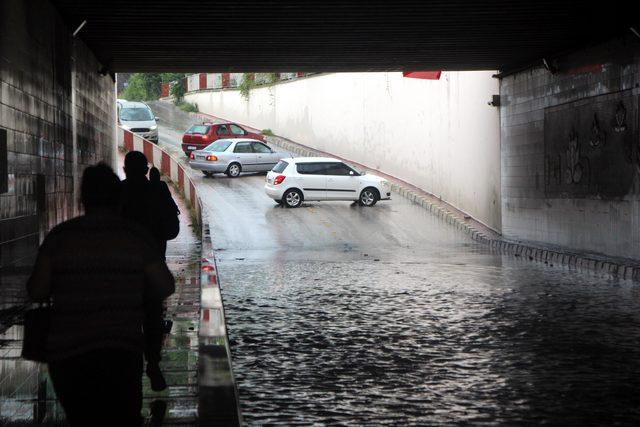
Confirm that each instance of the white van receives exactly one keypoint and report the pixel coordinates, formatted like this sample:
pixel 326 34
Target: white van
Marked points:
pixel 138 118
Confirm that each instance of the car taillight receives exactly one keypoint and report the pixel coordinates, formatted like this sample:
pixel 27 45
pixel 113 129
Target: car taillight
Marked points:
pixel 211 158
pixel 279 179
pixel 192 156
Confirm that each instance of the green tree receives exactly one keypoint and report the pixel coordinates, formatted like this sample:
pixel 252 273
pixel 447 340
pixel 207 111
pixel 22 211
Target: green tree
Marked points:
pixel 171 77
pixel 177 91
pixel 143 87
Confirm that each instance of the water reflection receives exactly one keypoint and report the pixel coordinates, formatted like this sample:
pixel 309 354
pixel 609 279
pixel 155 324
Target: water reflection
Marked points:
pixel 454 337
pixel 26 392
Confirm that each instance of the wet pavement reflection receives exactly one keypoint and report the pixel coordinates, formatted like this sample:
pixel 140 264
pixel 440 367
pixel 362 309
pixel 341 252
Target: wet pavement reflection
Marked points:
pixel 386 316
pixel 26 393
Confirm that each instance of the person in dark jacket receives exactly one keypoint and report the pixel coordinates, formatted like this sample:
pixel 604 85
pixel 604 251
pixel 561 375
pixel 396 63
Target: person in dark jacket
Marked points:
pixel 150 205
pixel 99 270
pixel 166 209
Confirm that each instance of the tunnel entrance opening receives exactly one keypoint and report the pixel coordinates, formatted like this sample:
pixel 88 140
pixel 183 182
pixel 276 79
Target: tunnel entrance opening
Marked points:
pixel 386 314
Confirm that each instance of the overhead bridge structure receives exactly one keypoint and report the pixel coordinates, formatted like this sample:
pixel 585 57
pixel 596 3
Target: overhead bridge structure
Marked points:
pixel 337 35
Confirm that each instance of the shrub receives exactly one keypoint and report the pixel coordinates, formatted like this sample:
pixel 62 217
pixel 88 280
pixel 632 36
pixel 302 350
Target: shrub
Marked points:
pixel 188 107
pixel 248 82
pixel 177 91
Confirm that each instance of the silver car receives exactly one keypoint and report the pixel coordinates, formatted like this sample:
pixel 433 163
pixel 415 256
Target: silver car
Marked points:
pixel 235 155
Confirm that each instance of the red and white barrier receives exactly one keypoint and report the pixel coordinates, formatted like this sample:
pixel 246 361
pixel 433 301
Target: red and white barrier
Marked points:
pixel 214 81
pixel 193 82
pixel 166 164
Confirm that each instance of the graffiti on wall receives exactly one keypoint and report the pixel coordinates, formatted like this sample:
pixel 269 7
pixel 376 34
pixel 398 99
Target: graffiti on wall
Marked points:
pixel 591 147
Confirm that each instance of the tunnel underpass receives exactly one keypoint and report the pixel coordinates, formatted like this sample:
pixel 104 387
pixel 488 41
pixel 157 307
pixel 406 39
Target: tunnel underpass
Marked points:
pixel 335 313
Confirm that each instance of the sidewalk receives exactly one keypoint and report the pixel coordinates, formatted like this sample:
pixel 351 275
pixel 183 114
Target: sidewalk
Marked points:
pixel 180 352
pixel 26 394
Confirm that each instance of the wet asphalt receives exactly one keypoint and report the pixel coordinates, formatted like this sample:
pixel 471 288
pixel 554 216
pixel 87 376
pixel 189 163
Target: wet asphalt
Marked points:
pixel 344 315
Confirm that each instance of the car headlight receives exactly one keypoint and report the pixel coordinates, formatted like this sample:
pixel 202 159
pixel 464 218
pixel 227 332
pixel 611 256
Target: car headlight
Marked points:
pixel 385 184
pixel 154 127
pixel 125 127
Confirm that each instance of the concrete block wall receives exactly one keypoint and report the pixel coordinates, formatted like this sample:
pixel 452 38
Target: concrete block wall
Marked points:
pixel 59 116
pixel 594 208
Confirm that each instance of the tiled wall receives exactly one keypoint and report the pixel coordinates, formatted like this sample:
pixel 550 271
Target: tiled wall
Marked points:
pixel 570 151
pixel 47 80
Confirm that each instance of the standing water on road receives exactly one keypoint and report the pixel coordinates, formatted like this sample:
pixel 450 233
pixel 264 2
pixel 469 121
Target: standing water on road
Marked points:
pixel 339 314
pixel 385 315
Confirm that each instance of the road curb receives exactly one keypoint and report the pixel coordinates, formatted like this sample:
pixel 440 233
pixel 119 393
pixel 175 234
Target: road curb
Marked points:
pixel 217 390
pixel 592 263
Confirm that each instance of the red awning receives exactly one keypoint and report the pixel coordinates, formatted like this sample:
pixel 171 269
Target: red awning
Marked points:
pixel 427 75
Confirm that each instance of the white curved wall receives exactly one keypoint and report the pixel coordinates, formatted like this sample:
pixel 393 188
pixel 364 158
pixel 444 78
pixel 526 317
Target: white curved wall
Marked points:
pixel 439 135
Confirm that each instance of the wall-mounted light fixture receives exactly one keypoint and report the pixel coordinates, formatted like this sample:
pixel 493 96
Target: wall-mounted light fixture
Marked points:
pixel 80 27
pixel 548 66
pixel 495 101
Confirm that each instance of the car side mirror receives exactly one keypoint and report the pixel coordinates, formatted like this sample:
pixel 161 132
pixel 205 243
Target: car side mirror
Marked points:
pixel 352 173
pixel 157 119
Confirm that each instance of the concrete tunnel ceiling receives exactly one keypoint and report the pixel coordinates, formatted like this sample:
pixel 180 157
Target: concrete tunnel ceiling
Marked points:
pixel 338 35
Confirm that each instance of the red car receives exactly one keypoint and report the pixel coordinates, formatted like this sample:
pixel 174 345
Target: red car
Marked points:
pixel 199 136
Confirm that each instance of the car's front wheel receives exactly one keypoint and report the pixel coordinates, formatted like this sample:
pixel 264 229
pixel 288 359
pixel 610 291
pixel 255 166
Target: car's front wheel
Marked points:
pixel 234 170
pixel 292 198
pixel 369 197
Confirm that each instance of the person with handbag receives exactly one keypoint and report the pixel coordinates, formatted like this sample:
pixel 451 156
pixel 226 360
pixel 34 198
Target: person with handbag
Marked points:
pixel 98 271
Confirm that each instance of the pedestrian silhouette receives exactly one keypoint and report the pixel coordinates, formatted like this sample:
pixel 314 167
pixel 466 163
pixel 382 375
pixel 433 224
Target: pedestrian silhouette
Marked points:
pixel 99 271
pixel 149 204
pixel 154 175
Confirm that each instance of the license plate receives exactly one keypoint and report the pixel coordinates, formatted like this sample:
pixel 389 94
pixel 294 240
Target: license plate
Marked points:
pixel 191 147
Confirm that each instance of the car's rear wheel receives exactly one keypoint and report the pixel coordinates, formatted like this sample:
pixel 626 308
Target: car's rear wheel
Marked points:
pixel 207 174
pixel 369 197
pixel 234 170
pixel 292 198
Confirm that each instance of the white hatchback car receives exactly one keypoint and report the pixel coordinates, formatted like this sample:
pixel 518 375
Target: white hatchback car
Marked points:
pixel 320 178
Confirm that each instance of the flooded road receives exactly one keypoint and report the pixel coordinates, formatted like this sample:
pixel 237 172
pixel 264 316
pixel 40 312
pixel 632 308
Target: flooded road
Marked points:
pixel 342 315
pixel 386 316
